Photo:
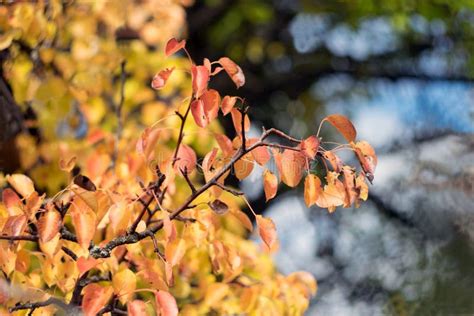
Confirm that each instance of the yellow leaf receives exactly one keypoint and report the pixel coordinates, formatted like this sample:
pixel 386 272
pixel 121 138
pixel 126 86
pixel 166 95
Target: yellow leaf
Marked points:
pixel 124 284
pixel 22 184
pixel 312 189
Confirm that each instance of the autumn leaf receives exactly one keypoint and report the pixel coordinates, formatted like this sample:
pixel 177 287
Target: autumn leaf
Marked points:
pixel 166 304
pixel 233 70
pixel 310 146
pixel 349 182
pixel 84 221
pixel 124 284
pixel 173 46
pixel 199 113
pixel 219 207
pixel 22 184
pixel 169 229
pixel 186 158
pixel 85 264
pixel 67 165
pixel 312 189
pixel 228 103
pixel 334 160
pixel 175 251
pixel 334 193
pixel 367 158
pixel 305 278
pixel 343 125
pixel 225 144
pixel 290 164
pixel 85 183
pixel 200 77
pixel 211 100
pixel 267 231
pixel 237 121
pixel 48 225
pixel 147 142
pixel 260 154
pixel 270 185
pixel 136 308
pixel 159 80
pixel 15 225
pixel 243 167
pixel 95 298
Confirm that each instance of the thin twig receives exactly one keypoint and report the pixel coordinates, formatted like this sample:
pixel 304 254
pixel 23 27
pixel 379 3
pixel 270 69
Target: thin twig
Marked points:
pixel 231 191
pixel 181 131
pixel 186 177
pixel 49 301
pixel 69 252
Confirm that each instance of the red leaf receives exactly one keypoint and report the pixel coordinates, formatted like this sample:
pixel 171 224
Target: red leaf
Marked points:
pixel 200 76
pixel 10 198
pixel 233 70
pixel 173 46
pixel 343 125
pixel 270 184
pixel 267 231
pixel 186 158
pixel 159 80
pixel 166 303
pixel 237 120
pixel 228 104
pixel 225 144
pixel 260 154
pixel 84 265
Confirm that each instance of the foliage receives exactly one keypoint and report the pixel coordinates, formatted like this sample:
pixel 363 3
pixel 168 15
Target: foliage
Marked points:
pixel 137 224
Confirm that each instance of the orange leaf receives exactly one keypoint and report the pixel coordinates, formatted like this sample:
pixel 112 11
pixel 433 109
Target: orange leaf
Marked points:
pixel 12 201
pixel 211 100
pixel 237 120
pixel 343 125
pixel 307 279
pixel 243 218
pixel 199 113
pixel 169 228
pixel 173 46
pixel 67 165
pixel 85 264
pixel 333 194
pixel 361 188
pixel 270 184
pixel 312 189
pixel 200 76
pixel 334 160
pixel 95 298
pixel 124 284
pixel 159 80
pixel 175 251
pixel 146 143
pixel 15 225
pixel 225 144
pixel 22 184
pixel 84 221
pixel 186 158
pixel 243 167
pixel 349 185
pixel 233 70
pixel 290 164
pixel 228 104
pixel 310 146
pixel 166 303
pixel 260 154
pixel 136 308
pixel 367 158
pixel 267 231
pixel 49 225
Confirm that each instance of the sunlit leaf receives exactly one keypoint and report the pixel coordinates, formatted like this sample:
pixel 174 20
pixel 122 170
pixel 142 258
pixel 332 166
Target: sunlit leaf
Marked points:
pixel 312 189
pixel 48 225
pixel 84 221
pixel 343 125
pixel 200 78
pixel 233 70
pixel 270 184
pixel 367 158
pixel 175 251
pixel 22 184
pixel 124 284
pixel 159 80
pixel 334 160
pixel 95 298
pixel 267 231
pixel 136 308
pixel 186 158
pixel 228 103
pixel 166 303
pixel 173 46
pixel 309 146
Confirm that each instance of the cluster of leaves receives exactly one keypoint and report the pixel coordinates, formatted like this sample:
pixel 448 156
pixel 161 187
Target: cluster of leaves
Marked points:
pixel 132 231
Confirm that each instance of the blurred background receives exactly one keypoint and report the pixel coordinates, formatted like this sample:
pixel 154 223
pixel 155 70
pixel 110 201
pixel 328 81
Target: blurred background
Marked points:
pixel 403 71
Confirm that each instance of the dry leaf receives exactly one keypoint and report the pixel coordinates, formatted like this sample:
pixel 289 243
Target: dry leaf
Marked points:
pixel 270 185
pixel 343 125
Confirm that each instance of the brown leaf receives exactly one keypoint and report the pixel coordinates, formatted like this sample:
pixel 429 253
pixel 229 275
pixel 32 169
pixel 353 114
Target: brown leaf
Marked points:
pixel 349 185
pixel 12 201
pixel 367 158
pixel 49 225
pixel 84 182
pixel 333 194
pixel 343 125
pixel 173 46
pixel 159 80
pixel 233 70
pixel 312 189
pixel 67 165
pixel 267 231
pixel 270 185
pixel 219 207
pixel 166 303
